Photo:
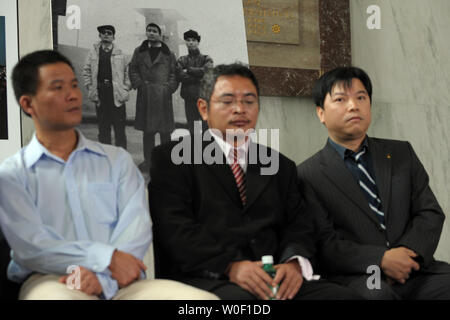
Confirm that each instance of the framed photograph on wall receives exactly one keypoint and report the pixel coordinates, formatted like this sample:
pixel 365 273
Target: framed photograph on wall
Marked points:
pixel 10 133
pixel 84 30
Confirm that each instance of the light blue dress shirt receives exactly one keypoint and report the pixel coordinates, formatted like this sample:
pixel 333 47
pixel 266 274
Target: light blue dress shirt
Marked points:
pixel 57 213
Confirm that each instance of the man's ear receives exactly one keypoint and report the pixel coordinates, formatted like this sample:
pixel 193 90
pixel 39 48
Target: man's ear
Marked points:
pixel 202 106
pixel 320 114
pixel 26 103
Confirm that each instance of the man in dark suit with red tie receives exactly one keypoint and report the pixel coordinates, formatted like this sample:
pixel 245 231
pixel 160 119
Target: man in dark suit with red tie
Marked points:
pixel 220 203
pixel 379 221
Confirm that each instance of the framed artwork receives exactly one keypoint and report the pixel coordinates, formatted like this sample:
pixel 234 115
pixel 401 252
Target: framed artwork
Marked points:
pixel 10 133
pixel 218 24
pixel 292 42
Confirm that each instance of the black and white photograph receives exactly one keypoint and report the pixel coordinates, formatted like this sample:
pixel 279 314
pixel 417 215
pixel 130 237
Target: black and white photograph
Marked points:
pixel 10 134
pixel 3 105
pixel 139 64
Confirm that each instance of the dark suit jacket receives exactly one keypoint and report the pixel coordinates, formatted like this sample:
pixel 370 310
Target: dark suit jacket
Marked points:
pixel 350 237
pixel 200 225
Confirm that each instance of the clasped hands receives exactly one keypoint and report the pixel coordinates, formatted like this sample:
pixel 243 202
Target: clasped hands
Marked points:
pixel 124 267
pixel 250 276
pixel 398 263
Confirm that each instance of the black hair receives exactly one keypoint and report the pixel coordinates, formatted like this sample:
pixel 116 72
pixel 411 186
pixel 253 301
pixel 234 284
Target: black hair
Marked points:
pixel 210 78
pixel 25 75
pixel 340 75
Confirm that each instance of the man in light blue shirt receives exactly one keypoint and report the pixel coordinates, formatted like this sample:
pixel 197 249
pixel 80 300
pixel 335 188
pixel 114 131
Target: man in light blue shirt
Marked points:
pixel 71 204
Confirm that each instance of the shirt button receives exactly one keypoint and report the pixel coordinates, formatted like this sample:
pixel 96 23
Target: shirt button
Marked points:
pixel 96 267
pixel 387 244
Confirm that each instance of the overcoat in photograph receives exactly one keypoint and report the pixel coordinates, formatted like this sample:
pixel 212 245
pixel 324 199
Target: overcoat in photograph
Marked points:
pixel 155 83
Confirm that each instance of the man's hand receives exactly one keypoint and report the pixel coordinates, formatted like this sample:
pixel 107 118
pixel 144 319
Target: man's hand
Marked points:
pixel 250 276
pixel 89 283
pixel 397 263
pixel 290 276
pixel 125 268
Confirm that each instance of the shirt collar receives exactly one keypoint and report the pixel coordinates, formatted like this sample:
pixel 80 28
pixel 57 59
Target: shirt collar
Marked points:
pixel 226 147
pixel 343 151
pixel 35 150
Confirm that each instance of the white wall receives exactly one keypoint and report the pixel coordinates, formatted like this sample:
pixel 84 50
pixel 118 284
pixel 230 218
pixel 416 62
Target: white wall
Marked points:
pixel 409 63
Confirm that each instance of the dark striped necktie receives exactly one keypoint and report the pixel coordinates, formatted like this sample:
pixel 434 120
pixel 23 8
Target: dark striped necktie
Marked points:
pixel 239 175
pixel 369 187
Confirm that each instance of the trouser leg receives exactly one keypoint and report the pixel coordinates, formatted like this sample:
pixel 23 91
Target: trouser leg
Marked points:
pixel 325 290
pixel 382 292
pixel 426 286
pixel 119 118
pixel 160 289
pixel 149 144
pixel 105 109
pixel 193 115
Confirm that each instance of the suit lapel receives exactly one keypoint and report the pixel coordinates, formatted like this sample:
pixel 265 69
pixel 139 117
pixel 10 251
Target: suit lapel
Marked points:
pixel 256 182
pixel 381 159
pixel 335 169
pixel 223 174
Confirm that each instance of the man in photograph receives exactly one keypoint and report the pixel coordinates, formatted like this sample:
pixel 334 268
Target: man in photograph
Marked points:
pixel 378 220
pixel 213 221
pixel 192 68
pixel 105 75
pixel 3 105
pixel 74 211
pixel 153 72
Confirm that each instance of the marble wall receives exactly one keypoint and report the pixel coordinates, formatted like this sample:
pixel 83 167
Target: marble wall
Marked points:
pixel 408 61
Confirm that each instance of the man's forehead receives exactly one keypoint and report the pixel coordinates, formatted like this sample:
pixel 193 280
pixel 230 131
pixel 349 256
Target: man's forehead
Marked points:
pixel 346 87
pixel 234 84
pixel 55 71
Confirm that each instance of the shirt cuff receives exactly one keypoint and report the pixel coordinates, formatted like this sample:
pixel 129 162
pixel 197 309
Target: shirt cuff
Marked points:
pixel 109 285
pixel 307 270
pixel 99 257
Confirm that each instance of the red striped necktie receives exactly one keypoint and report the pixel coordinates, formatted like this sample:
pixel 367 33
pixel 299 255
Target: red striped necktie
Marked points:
pixel 239 175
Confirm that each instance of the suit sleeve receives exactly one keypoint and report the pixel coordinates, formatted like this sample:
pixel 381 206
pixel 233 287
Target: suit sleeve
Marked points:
pixel 297 236
pixel 427 218
pixel 336 254
pixel 188 243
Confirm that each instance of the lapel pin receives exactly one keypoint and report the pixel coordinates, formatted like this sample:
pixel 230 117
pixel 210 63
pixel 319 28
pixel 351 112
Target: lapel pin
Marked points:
pixel 388 156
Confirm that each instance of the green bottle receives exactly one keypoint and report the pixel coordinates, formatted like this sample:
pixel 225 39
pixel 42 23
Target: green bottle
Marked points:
pixel 268 267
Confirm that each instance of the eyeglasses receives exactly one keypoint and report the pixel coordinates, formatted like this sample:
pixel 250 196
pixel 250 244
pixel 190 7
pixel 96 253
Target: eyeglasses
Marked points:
pixel 107 33
pixel 248 102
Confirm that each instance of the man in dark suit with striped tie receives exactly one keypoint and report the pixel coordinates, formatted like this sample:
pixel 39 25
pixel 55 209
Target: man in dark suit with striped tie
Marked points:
pixel 378 221
pixel 218 206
